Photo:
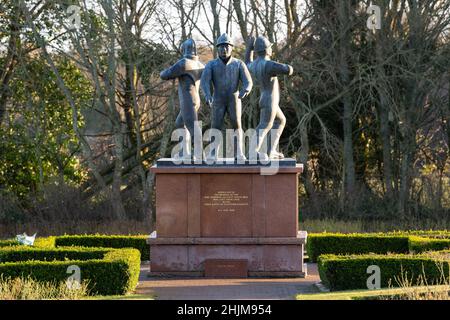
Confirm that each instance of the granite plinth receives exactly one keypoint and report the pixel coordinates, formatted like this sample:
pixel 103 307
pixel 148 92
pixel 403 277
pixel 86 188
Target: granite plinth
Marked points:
pixel 265 256
pixel 226 202
pixel 210 212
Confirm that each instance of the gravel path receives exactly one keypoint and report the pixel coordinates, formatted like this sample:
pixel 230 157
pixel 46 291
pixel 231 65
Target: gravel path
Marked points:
pixel 226 289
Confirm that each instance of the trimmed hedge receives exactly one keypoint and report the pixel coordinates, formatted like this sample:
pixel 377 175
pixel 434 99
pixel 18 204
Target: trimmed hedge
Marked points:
pixel 7 243
pixel 25 253
pixel 107 271
pixel 438 234
pixel 420 244
pixel 48 242
pixel 333 243
pixel 106 241
pixel 350 272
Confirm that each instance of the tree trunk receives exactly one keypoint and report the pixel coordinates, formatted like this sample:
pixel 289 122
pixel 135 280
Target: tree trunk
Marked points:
pixel 386 146
pixel 303 157
pixel 128 100
pixel 344 75
pixel 242 21
pixel 216 22
pixel 383 111
pixel 9 62
pixel 404 184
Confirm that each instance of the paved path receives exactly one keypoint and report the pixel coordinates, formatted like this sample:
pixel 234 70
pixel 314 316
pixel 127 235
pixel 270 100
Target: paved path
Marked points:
pixel 226 289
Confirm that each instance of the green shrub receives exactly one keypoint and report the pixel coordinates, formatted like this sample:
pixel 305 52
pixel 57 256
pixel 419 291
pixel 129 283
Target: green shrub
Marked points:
pixel 106 271
pixel 331 243
pixel 25 253
pixel 420 244
pixel 350 272
pixel 48 242
pixel 106 241
pixel 438 234
pixel 7 243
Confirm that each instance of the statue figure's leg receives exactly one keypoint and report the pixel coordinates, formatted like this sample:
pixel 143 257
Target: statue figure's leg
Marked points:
pixel 266 121
pixel 235 112
pixel 179 124
pixel 189 115
pixel 278 127
pixel 217 117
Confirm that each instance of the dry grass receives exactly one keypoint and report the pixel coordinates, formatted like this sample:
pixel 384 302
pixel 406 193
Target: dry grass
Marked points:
pixel 420 289
pixel 80 226
pixel 45 228
pixel 29 289
pixel 380 294
pixel 351 226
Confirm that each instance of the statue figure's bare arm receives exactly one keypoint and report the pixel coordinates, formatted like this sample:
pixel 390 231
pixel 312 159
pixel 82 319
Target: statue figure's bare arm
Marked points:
pixel 250 45
pixel 246 79
pixel 205 84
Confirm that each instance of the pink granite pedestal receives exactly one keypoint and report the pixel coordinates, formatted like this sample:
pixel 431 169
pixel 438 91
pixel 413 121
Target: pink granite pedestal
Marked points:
pixel 227 219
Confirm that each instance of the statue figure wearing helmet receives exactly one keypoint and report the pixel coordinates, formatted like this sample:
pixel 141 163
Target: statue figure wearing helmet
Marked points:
pixel 265 72
pixel 225 74
pixel 188 71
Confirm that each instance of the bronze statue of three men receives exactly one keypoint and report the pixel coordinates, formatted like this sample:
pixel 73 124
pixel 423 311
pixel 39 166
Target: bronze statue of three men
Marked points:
pixel 224 75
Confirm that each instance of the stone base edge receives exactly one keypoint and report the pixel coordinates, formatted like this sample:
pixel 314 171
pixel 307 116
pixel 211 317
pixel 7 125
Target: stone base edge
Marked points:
pixel 299 240
pixel 251 274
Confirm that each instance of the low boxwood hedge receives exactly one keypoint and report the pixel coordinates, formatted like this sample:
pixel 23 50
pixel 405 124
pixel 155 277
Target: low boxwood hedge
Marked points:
pixel 47 242
pixel 349 272
pixel 438 234
pixel 7 243
pixel 24 253
pixel 107 271
pixel 421 244
pixel 335 243
pixel 106 241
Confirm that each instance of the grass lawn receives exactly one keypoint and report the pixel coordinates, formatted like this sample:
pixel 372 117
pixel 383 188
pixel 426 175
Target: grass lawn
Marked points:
pixel 374 294
pixel 126 297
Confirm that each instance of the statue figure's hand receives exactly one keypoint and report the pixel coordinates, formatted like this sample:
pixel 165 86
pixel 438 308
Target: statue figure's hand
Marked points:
pixel 250 44
pixel 291 70
pixel 243 94
pixel 209 101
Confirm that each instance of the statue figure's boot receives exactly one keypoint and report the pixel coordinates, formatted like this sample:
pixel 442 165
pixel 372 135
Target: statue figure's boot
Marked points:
pixel 275 137
pixel 213 156
pixel 187 155
pixel 184 154
pixel 262 155
pixel 198 155
pixel 276 155
pixel 240 146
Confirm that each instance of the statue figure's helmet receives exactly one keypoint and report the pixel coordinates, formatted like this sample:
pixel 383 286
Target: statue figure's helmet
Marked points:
pixel 189 48
pixel 224 39
pixel 262 44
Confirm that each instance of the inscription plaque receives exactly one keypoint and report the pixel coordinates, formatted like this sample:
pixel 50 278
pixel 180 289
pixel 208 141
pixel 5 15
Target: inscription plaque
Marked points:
pixel 225 201
pixel 226 268
pixel 226 207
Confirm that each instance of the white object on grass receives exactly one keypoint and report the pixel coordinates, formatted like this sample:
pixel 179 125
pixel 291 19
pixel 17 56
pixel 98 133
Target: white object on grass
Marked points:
pixel 25 239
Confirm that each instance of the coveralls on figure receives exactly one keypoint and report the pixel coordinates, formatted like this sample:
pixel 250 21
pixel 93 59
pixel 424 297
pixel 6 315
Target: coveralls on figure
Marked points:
pixel 265 72
pixel 225 73
pixel 188 70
